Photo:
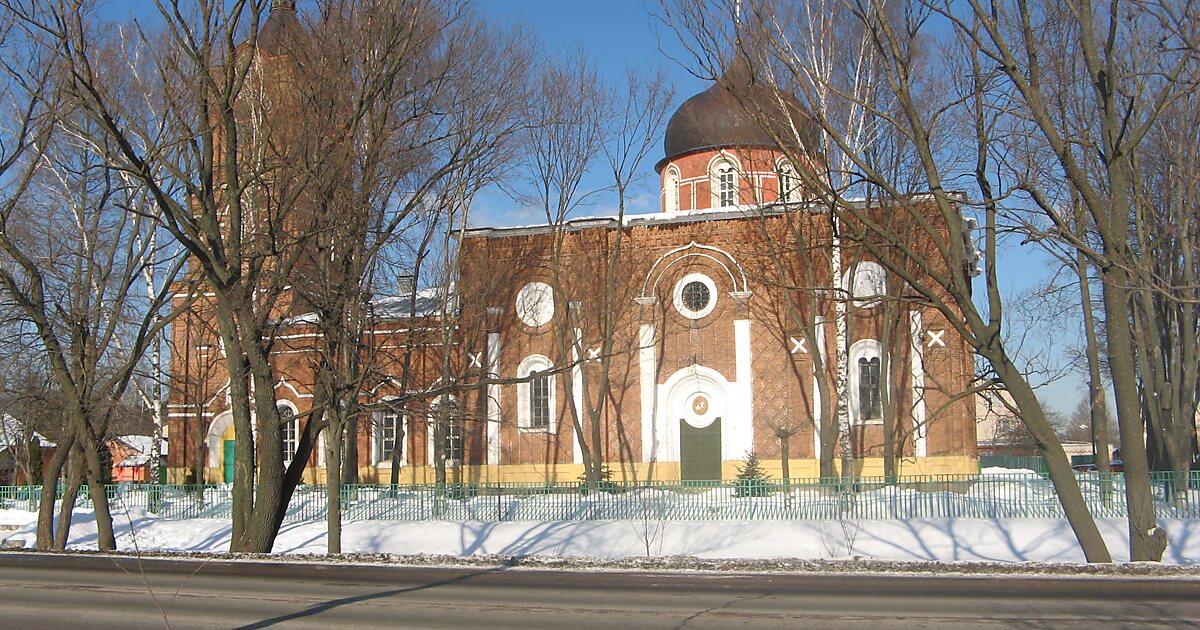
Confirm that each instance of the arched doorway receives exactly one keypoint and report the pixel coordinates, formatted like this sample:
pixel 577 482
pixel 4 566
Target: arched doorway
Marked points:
pixel 221 441
pixel 697 403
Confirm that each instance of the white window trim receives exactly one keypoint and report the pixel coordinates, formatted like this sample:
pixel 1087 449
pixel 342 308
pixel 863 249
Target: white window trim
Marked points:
pixel 864 267
pixel 671 189
pixel 864 349
pixel 531 363
pixel 714 177
pixel 289 453
pixel 785 171
pixel 381 459
pixel 677 295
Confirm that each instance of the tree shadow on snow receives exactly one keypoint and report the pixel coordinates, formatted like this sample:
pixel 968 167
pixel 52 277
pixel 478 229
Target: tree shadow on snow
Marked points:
pixel 1046 546
pixel 317 609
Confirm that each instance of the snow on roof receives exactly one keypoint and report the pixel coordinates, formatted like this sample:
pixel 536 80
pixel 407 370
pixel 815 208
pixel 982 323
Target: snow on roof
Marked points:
pixel 424 303
pixel 646 219
pixel 12 433
pixel 142 443
pixel 134 461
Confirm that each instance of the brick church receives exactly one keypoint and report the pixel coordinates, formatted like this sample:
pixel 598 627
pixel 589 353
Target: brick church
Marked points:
pixel 665 346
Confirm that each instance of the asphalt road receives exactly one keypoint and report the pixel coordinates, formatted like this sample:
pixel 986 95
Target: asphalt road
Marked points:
pixel 38 591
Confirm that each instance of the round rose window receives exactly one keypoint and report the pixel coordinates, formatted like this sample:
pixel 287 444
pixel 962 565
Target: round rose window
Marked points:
pixel 696 296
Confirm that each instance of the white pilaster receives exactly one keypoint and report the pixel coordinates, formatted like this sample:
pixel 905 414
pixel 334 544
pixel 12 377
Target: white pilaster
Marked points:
pixel 577 397
pixel 493 400
pixel 918 383
pixel 818 403
pixel 648 387
pixel 740 426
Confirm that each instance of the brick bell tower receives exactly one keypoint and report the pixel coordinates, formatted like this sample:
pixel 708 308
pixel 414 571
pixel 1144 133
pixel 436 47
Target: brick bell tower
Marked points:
pixel 719 152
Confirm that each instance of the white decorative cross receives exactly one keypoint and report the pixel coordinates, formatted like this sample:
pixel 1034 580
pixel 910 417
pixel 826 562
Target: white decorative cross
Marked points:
pixel 593 355
pixel 476 359
pixel 798 345
pixel 935 338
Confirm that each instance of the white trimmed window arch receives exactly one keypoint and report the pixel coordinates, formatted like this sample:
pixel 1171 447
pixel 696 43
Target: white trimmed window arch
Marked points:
pixel 866 284
pixel 289 428
pixel 789 182
pixel 723 177
pixel 866 382
pixel 536 400
pixel 389 431
pixel 671 189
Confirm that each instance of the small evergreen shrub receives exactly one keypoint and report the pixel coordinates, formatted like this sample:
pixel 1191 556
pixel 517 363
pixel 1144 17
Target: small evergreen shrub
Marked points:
pixel 752 480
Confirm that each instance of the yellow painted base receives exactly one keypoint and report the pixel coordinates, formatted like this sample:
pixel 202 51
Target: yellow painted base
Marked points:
pixel 640 472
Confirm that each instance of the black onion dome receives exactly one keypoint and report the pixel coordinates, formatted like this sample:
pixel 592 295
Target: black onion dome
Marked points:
pixel 729 114
pixel 282 32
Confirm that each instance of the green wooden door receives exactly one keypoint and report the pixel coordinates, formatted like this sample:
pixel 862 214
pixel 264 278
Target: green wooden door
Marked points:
pixel 227 460
pixel 700 451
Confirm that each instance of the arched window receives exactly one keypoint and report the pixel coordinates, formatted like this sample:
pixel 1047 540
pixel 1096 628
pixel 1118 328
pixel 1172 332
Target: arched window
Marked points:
pixel 788 182
pixel 671 190
pixel 535 396
pixel 866 382
pixel 866 284
pixel 290 427
pixel 724 181
pixel 390 429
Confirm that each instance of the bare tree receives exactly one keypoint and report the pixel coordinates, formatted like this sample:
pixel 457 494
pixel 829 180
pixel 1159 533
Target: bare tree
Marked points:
pixel 73 258
pixel 936 269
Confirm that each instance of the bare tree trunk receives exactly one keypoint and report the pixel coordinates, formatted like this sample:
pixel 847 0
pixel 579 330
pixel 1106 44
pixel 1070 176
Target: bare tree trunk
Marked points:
pixel 50 483
pixel 333 495
pixel 76 471
pixel 1147 541
pixel 1097 405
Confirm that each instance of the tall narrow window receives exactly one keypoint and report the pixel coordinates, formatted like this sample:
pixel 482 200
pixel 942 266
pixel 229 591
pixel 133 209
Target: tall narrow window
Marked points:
pixel 535 394
pixel 671 190
pixel 787 182
pixel 726 185
pixel 868 389
pixel 539 401
pixel 291 432
pixel 454 443
pixel 389 436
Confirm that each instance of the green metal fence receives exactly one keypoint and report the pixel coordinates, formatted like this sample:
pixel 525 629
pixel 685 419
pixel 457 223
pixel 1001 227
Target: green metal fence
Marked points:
pixel 943 496
pixel 1020 462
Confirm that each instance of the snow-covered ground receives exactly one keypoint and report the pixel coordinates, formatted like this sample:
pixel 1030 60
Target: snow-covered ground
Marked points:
pixel 941 540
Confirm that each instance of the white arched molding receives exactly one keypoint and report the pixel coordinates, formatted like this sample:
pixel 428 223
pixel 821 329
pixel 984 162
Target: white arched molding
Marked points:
pixel 787 180
pixel 215 438
pixel 723 176
pixel 388 426
pixel 674 396
pixel 671 189
pixel 545 394
pixel 864 350
pixel 689 252
pixel 866 284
